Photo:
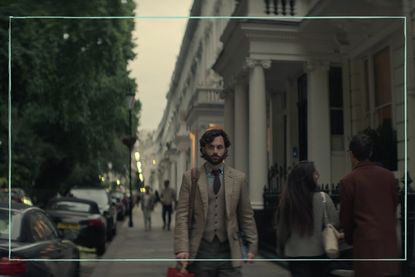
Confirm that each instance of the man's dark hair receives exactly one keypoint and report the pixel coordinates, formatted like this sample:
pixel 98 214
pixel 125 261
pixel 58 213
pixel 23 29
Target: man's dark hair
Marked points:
pixel 209 136
pixel 361 146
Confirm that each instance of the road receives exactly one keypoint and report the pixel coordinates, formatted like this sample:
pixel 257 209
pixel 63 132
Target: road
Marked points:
pixel 154 249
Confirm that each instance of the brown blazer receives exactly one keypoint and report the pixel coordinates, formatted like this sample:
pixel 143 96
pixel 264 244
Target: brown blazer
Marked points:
pixel 239 214
pixel 368 201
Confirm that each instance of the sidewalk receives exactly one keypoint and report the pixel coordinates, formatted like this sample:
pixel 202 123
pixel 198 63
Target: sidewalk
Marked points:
pixel 135 243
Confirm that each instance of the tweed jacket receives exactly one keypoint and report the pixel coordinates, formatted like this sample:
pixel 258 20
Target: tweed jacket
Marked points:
pixel 369 198
pixel 239 214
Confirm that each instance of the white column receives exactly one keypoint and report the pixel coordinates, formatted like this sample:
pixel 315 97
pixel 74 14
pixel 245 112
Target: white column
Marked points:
pixel 240 144
pixel 318 124
pixel 183 144
pixel 172 179
pixel 258 165
pixel 229 123
pixel 181 168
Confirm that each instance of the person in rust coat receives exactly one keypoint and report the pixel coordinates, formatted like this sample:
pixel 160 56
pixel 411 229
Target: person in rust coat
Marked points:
pixel 368 202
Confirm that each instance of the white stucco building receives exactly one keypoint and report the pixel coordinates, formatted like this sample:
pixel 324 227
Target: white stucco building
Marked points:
pixel 288 85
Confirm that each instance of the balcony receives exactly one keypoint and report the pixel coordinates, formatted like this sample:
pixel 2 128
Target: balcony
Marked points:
pixel 206 96
pixel 283 9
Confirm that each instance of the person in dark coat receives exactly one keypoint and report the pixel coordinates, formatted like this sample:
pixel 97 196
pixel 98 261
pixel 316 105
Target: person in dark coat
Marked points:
pixel 369 198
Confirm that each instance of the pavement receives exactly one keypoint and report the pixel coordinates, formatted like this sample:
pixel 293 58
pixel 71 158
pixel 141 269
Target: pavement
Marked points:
pixel 155 250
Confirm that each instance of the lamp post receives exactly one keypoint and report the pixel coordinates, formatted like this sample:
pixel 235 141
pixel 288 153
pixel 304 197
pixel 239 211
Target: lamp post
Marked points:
pixel 129 142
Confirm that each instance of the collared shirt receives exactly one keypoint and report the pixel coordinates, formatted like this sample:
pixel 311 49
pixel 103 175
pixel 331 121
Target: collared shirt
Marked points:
pixel 210 176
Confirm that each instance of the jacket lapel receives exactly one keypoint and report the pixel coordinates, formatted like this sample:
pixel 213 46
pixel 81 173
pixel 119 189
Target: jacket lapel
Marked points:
pixel 203 188
pixel 228 187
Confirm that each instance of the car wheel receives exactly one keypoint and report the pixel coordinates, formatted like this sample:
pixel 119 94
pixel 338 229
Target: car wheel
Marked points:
pixel 110 231
pixel 114 230
pixel 100 249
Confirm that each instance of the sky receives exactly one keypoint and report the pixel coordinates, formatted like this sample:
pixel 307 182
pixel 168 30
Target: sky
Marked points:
pixel 158 44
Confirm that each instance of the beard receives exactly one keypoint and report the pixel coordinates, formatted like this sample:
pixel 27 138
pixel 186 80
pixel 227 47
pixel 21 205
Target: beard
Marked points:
pixel 215 159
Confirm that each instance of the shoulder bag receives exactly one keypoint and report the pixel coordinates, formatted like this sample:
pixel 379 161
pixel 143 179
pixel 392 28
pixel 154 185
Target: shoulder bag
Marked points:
pixel 181 268
pixel 330 234
pixel 194 177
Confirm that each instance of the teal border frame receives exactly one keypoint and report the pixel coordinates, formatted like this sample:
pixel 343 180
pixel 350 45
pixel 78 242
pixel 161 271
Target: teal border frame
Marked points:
pixel 208 17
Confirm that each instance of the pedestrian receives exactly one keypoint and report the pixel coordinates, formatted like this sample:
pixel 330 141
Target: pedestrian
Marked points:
pixel 368 202
pixel 167 199
pixel 156 196
pixel 221 211
pixel 300 220
pixel 147 205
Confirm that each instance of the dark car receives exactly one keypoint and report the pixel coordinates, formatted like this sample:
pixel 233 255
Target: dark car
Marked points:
pixel 106 208
pixel 34 236
pixel 122 203
pixel 79 220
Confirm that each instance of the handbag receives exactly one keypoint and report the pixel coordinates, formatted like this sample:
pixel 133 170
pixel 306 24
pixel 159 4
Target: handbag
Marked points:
pixel 179 272
pixel 194 178
pixel 330 234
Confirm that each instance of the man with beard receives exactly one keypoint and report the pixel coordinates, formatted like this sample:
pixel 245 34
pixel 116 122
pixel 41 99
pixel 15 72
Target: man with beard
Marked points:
pixel 221 212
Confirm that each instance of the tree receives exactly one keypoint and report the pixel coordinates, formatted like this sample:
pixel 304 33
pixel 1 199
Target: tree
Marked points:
pixel 69 81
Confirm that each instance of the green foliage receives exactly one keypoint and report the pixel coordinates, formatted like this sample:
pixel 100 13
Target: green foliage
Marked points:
pixel 69 86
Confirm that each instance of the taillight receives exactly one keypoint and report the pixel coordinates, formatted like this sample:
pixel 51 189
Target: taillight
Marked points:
pixel 12 267
pixel 95 223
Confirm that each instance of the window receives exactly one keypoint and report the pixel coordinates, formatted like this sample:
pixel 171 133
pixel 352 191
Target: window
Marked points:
pixel 71 206
pixel 377 110
pixel 366 91
pixel 336 108
pixel 383 90
pixel 302 117
pixel 42 228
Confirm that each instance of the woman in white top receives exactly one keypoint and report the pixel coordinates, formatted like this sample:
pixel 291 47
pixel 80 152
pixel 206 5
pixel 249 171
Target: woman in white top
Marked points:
pixel 300 221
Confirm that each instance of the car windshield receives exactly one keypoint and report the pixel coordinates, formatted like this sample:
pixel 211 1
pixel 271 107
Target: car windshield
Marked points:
pixel 97 195
pixel 71 206
pixel 117 194
pixel 5 223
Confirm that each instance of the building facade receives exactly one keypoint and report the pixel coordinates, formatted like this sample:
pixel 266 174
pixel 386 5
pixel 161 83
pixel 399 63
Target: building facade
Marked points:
pixel 288 81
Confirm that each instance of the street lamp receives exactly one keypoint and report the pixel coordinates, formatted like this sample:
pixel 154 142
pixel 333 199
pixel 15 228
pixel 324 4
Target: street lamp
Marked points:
pixel 129 142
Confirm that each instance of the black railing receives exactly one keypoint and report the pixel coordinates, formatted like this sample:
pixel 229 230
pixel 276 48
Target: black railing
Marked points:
pixel 277 177
pixel 280 7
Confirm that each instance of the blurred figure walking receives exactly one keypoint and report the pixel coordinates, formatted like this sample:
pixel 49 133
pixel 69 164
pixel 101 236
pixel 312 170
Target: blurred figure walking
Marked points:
pixel 167 198
pixel 147 206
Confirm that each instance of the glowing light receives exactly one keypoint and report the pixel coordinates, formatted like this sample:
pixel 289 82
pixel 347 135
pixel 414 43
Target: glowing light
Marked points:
pixel 137 156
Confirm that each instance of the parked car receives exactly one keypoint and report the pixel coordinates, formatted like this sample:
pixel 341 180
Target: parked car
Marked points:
pixel 18 195
pixel 34 236
pixel 122 203
pixel 79 220
pixel 106 208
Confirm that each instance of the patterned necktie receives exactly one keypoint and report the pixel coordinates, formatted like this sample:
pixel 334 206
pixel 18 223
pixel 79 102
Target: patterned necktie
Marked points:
pixel 216 182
